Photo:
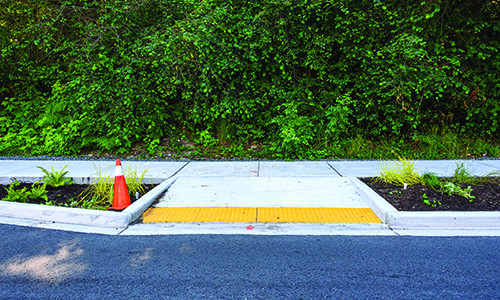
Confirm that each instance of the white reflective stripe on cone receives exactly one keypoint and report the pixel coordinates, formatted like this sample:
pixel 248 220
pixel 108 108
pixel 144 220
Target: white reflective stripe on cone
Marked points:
pixel 118 171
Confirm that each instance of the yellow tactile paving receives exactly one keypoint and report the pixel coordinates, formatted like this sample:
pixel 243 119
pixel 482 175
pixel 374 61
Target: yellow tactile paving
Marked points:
pixel 260 214
pixel 200 214
pixel 316 215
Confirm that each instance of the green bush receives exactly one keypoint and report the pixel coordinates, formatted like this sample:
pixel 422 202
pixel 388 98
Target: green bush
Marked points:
pixel 300 75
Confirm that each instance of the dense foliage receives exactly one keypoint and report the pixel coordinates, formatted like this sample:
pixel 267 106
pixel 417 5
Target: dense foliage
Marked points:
pixel 299 75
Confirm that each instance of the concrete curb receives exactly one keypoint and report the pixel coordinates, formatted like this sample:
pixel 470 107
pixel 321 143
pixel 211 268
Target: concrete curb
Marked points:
pixel 139 207
pixel 373 200
pixel 64 214
pixel 84 216
pixel 448 220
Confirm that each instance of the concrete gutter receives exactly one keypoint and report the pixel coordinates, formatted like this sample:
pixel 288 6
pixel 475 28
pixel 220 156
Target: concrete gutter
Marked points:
pixel 425 219
pixel 84 216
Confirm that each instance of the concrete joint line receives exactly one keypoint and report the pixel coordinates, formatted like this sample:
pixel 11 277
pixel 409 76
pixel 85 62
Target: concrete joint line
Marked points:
pixel 334 169
pixel 173 175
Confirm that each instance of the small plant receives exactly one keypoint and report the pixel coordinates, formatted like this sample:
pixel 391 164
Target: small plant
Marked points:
pixel 72 203
pixel 50 203
pixel 431 180
pixel 14 195
pixel 93 203
pixel 54 178
pixel 38 192
pixel 432 203
pixel 399 173
pixel 463 176
pixel 395 192
pixel 450 188
pixel 492 178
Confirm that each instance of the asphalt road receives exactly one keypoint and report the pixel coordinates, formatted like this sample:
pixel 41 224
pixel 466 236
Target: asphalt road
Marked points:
pixel 50 264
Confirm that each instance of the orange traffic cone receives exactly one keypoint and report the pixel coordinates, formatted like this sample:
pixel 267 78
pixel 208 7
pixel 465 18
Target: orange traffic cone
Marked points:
pixel 121 199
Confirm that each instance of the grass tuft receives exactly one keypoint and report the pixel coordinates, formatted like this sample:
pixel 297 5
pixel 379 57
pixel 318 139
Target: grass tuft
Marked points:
pixel 399 173
pixel 100 193
pixel 134 180
pixel 462 175
pixel 431 180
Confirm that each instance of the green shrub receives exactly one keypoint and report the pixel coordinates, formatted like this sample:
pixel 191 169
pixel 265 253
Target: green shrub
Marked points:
pixel 299 75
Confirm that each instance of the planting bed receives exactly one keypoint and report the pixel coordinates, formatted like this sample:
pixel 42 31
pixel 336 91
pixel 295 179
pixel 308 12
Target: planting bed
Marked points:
pixel 487 197
pixel 62 195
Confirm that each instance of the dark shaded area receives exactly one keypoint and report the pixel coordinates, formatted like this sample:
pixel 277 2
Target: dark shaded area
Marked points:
pixel 487 197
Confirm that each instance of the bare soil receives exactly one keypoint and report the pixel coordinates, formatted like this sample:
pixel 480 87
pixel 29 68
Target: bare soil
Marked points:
pixel 61 195
pixel 487 197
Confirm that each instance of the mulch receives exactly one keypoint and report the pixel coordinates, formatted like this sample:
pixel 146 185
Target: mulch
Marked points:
pixel 487 197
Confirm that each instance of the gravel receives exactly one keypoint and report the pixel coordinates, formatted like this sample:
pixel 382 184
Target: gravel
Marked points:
pixel 139 158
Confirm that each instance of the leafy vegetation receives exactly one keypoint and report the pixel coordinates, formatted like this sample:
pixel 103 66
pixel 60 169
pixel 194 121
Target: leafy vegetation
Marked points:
pixel 431 180
pixel 298 79
pixel 402 173
pixel 54 178
pixel 14 195
pixel 462 175
pixel 432 202
pixel 98 195
pixel 38 191
pixel 450 188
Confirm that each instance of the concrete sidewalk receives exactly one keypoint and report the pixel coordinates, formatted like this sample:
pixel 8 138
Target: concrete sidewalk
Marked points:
pixel 247 183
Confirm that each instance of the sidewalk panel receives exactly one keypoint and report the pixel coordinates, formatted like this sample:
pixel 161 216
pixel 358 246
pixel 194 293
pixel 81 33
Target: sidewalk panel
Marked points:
pixel 261 192
pixel 296 169
pixel 221 169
